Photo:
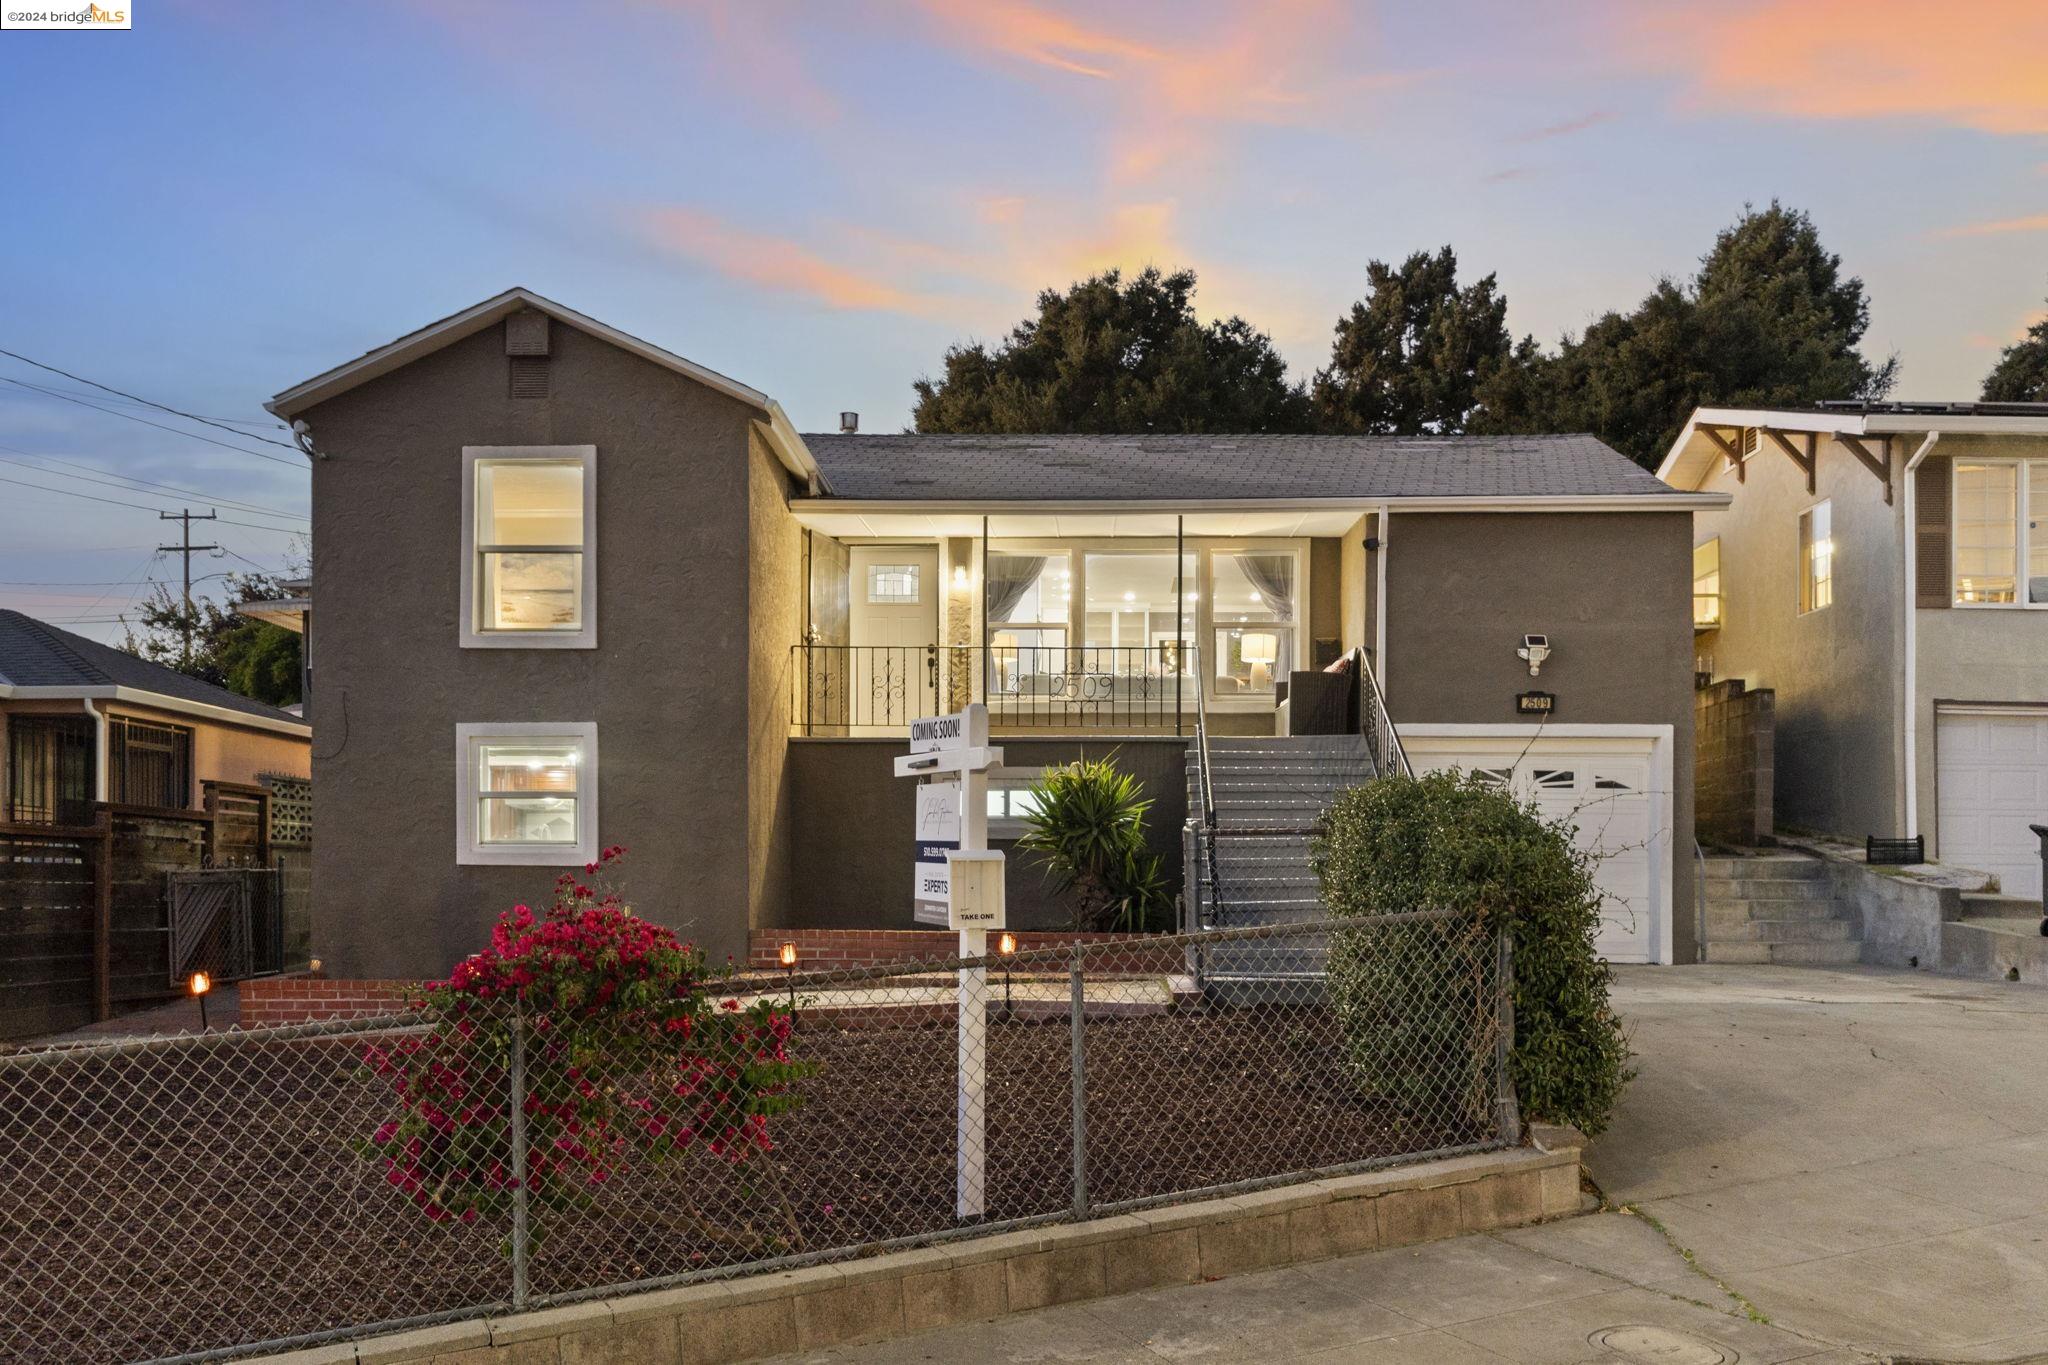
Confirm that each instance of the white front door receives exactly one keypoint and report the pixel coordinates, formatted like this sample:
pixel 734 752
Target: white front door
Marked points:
pixel 893 623
pixel 1609 790
pixel 1991 776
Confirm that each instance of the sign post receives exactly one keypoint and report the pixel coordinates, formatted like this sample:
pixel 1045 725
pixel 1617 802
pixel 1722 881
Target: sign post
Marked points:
pixel 959 882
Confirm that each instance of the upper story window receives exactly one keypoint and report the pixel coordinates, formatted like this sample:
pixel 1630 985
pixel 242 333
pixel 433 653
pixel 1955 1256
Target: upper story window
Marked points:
pixel 529 553
pixel 2001 549
pixel 1706 585
pixel 1816 557
pixel 527 794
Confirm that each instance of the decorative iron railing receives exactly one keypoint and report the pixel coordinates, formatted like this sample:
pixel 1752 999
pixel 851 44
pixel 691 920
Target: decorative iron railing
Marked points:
pixel 866 689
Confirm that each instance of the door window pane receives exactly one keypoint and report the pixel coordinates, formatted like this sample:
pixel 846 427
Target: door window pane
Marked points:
pixel 526 792
pixel 1253 611
pixel 1987 528
pixel 896 583
pixel 2037 534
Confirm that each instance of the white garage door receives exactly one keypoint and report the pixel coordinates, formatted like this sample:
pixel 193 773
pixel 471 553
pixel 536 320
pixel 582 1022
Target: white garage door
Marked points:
pixel 1992 782
pixel 1605 787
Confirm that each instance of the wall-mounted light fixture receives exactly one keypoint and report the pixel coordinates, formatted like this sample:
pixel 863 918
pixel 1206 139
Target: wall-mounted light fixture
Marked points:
pixel 1535 649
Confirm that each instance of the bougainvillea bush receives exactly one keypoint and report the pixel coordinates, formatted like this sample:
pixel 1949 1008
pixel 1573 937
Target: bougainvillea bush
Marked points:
pixel 630 1054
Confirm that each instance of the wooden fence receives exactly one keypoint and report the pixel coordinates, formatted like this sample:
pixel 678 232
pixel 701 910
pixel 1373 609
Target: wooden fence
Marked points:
pixel 83 928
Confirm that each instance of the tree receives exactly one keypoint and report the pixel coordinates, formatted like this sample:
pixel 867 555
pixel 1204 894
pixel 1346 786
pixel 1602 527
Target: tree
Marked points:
pixel 1769 321
pixel 2021 374
pixel 252 658
pixel 1409 358
pixel 1110 356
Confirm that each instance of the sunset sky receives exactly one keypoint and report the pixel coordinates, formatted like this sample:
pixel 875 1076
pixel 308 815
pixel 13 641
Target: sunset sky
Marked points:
pixel 817 198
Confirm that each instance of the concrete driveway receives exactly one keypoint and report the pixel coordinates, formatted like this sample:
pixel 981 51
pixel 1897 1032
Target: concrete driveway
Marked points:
pixel 1862 1154
pixel 1832 1167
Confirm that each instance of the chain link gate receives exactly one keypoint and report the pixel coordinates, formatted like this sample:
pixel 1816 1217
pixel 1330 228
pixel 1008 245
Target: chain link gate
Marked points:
pixel 212 923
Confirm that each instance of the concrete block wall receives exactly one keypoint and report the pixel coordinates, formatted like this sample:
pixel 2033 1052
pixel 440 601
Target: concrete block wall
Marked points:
pixel 1735 736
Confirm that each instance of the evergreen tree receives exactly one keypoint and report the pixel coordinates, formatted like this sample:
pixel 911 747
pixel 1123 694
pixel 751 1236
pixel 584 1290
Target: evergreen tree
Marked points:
pixel 1410 357
pixel 2021 374
pixel 1111 356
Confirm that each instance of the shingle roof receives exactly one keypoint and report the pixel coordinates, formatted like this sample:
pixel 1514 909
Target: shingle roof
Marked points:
pixel 1248 468
pixel 36 654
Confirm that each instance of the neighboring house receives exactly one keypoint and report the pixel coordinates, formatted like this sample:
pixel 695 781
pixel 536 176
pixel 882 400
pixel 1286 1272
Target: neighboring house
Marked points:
pixel 85 723
pixel 578 591
pixel 295 614
pixel 1884 568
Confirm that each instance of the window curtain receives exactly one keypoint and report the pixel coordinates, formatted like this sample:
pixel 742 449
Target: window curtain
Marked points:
pixel 1009 578
pixel 1273 576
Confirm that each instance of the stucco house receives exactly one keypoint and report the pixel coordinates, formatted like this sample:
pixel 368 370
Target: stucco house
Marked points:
pixel 1883 568
pixel 577 590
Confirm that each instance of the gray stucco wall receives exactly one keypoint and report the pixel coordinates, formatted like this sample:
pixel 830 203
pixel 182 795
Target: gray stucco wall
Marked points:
pixel 1837 671
pixel 668 684
pixel 851 856
pixel 1611 590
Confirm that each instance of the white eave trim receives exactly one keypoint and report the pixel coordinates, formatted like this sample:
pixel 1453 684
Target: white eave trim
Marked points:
pixel 1842 423
pixel 472 320
pixel 286 613
pixel 788 445
pixel 1619 502
pixel 133 696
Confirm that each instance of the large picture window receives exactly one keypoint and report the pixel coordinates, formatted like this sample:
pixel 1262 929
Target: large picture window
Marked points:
pixel 2001 546
pixel 529 550
pixel 527 794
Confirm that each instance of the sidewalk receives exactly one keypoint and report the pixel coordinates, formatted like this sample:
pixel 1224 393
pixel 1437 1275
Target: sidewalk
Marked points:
pixel 1856 1159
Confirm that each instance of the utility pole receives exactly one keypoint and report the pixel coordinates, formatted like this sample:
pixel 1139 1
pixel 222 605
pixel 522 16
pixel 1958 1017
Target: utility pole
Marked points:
pixel 187 549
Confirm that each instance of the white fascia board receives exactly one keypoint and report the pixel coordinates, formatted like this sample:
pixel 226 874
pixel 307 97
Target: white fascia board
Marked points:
pixel 474 319
pixel 1903 423
pixel 1624 502
pixel 286 613
pixel 788 445
pixel 158 701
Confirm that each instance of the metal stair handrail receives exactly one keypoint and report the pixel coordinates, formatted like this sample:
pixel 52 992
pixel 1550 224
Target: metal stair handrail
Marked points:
pixel 1206 836
pixel 1382 740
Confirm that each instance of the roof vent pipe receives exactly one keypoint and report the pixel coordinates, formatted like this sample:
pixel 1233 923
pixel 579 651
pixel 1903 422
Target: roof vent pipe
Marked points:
pixel 849 423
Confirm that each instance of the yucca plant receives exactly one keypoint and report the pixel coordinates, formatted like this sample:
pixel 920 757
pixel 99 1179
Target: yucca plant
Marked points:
pixel 1086 823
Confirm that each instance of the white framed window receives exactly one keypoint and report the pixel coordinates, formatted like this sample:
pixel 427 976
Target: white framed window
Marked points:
pixel 526 793
pixel 2000 547
pixel 529 547
pixel 895 583
pixel 1010 800
pixel 1816 557
pixel 1706 584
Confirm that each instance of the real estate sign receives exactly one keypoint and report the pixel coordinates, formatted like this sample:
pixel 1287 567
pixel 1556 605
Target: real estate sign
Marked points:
pixel 938 830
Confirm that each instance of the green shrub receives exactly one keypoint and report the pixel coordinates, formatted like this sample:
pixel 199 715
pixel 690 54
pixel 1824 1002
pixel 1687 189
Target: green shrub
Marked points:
pixel 1086 823
pixel 1446 842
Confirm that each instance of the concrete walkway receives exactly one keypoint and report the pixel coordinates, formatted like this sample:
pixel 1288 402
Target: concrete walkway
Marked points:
pixel 1856 1162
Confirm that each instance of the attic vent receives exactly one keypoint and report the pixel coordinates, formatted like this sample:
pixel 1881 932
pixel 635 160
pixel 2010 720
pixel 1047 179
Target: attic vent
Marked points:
pixel 529 376
pixel 1752 440
pixel 526 334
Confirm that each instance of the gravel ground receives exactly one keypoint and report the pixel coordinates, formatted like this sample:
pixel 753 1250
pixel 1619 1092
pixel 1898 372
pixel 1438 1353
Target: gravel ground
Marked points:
pixel 200 1198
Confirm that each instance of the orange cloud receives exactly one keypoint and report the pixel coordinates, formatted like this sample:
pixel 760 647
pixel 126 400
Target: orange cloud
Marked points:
pixel 776 263
pixel 1997 227
pixel 1983 64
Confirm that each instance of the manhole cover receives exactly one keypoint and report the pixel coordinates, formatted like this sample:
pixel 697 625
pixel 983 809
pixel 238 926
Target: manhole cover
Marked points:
pixel 1662 1346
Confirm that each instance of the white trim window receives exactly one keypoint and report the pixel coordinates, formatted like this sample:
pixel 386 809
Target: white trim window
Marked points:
pixel 1011 801
pixel 1816 557
pixel 2000 545
pixel 526 794
pixel 529 547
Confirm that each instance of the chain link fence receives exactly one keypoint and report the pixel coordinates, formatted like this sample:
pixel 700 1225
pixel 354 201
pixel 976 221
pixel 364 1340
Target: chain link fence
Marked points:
pixel 205 1196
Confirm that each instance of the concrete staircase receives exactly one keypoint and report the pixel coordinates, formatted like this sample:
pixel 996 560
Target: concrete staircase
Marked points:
pixel 1268 794
pixel 1778 908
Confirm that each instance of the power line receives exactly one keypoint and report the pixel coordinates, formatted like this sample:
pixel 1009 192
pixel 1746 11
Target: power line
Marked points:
pixel 32 463
pixel 145 507
pixel 142 572
pixel 149 403
pixel 175 431
pixel 268 424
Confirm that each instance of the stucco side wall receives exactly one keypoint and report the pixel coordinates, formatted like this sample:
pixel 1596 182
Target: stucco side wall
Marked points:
pixel 1837 671
pixel 667 684
pixel 1611 590
pixel 774 613
pixel 1325 594
pixel 855 820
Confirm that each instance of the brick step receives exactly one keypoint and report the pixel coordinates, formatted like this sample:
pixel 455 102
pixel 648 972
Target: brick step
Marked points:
pixel 1735 912
pixel 1769 888
pixel 1787 954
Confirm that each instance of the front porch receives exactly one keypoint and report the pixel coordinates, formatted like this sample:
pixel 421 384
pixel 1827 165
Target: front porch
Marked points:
pixel 1070 623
